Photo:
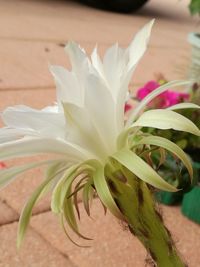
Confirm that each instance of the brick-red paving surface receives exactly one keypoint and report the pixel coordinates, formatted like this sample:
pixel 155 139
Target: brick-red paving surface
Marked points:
pixel 30 34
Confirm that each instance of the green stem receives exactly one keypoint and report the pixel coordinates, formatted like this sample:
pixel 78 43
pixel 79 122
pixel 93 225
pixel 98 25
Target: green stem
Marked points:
pixel 135 201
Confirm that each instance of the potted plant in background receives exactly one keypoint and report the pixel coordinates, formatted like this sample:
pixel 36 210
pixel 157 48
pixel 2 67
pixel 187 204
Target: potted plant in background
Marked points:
pixel 132 5
pixel 194 68
pixel 116 5
pixel 191 144
pixel 191 200
pixel 194 7
pixel 114 159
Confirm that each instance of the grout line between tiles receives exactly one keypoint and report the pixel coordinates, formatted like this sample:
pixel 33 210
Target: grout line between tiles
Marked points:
pixel 33 215
pixel 9 89
pixel 51 245
pixel 62 42
pixel 47 87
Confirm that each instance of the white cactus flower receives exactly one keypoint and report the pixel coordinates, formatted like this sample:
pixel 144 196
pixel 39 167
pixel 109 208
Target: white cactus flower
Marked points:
pixel 86 130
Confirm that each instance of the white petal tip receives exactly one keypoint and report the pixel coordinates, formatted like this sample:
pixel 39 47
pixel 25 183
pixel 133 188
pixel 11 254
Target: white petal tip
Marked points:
pixel 152 21
pixel 56 70
pixel 149 26
pixel 73 46
pixel 70 45
pixel 52 68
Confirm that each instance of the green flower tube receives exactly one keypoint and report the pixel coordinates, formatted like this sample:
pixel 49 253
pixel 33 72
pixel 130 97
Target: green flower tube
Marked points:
pixel 135 200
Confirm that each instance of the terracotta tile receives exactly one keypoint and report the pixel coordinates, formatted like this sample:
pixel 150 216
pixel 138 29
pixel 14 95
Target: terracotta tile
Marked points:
pixel 62 20
pixel 25 64
pixel 186 234
pixel 35 251
pixel 65 25
pixel 30 40
pixel 7 214
pixel 112 245
pixel 35 98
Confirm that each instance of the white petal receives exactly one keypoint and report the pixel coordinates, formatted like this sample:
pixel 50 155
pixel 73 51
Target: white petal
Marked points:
pixel 112 68
pixel 78 57
pixel 97 63
pixel 134 53
pixel 81 65
pixel 139 44
pixel 131 57
pixel 31 146
pixel 82 131
pixel 53 109
pixel 114 64
pixel 39 121
pixel 121 100
pixel 119 65
pixel 102 109
pixel 67 85
pixel 9 134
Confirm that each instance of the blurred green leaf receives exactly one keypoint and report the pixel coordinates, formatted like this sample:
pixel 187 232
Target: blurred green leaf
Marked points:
pixel 194 7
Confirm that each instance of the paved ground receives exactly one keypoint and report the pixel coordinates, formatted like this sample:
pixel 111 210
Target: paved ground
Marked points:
pixel 32 34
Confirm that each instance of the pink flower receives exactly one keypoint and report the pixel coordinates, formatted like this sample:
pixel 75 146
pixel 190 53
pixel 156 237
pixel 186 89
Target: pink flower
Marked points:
pixel 174 98
pixel 148 88
pixel 164 100
pixel 2 165
pixel 127 107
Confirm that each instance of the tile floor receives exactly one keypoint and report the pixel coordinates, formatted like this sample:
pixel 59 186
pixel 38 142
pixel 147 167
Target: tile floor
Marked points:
pixel 32 34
